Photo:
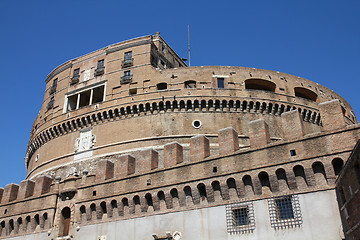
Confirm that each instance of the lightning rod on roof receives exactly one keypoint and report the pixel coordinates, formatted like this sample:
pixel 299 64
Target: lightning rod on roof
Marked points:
pixel 189 43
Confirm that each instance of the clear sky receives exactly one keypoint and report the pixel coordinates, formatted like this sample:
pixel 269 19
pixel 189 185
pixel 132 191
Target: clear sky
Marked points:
pixel 314 39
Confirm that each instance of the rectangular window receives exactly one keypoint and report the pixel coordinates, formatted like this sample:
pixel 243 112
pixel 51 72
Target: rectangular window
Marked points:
pixel 85 98
pixel 100 68
pixel 240 218
pixel 51 103
pixel 100 64
pixel 128 60
pixel 75 78
pixel 128 56
pixel 285 212
pixel 54 86
pixel 220 83
pixel 126 78
pixel 72 102
pixel 132 91
pixel 76 73
pixel 284 208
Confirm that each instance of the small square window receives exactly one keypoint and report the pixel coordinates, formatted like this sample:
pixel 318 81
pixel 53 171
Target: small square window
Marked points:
pixel 127 73
pixel 292 152
pixel 285 212
pixel 220 83
pixel 132 91
pixel 240 218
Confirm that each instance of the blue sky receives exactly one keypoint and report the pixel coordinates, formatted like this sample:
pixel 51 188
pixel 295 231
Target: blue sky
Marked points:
pixel 318 40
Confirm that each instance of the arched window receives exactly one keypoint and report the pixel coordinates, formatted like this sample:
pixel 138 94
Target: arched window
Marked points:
pixel 103 207
pixel 264 179
pixel 260 84
pixel 65 222
pixel 337 165
pixel 306 93
pixel 149 200
pixel 174 193
pixel 202 191
pixel 300 173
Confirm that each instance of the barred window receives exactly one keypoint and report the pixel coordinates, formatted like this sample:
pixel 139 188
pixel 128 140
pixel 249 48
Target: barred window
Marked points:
pixel 285 212
pixel 240 218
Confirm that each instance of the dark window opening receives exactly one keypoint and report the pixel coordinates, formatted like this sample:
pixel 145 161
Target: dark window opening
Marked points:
pixel 284 208
pixel 132 91
pixel 240 216
pixel 100 68
pixel 72 102
pixel 98 95
pixel 128 60
pixel 65 222
pixel 54 86
pixel 337 165
pixel 76 76
pixel 220 83
pixel 84 98
pixel 215 169
pixel 161 86
pixel 306 93
pixel 103 207
pixel 100 64
pixel 190 84
pixel 126 78
pixel 260 84
pixel 94 193
pixel 51 103
pixel 292 152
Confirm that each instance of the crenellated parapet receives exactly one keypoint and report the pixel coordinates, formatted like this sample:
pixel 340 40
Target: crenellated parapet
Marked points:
pixel 27 207
pixel 184 176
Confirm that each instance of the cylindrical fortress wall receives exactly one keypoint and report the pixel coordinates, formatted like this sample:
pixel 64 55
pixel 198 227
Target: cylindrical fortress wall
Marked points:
pixel 136 95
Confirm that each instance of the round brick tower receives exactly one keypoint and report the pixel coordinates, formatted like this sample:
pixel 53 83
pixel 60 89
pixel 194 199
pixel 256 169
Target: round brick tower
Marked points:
pixel 139 94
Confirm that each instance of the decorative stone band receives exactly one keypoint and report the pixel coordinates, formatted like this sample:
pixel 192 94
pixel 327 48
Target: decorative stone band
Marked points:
pixel 276 108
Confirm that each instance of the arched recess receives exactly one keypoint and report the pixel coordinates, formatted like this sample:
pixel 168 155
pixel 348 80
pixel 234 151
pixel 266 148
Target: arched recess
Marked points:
pixel 260 84
pixel 337 164
pixel 319 171
pixel 64 227
pixel 306 93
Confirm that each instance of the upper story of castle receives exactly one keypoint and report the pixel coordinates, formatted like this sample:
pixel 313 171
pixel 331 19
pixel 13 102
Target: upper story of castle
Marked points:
pixel 140 90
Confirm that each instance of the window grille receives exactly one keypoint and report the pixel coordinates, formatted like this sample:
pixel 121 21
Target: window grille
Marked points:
pixel 240 218
pixel 285 212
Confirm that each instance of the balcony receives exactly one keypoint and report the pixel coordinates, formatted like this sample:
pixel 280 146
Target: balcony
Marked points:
pixel 127 62
pixel 74 80
pixel 126 79
pixel 99 71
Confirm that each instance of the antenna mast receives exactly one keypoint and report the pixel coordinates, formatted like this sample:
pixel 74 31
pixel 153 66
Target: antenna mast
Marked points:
pixel 189 43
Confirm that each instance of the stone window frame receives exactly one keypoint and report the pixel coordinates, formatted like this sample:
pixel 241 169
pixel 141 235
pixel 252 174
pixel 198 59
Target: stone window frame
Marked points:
pixel 232 226
pixel 277 209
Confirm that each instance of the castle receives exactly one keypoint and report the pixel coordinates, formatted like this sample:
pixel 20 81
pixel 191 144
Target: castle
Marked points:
pixel 130 143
